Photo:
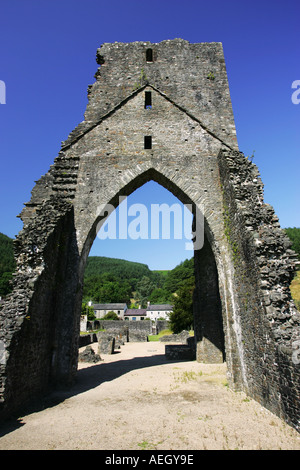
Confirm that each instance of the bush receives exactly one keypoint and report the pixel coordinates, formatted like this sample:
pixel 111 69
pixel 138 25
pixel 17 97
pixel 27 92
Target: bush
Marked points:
pixel 110 316
pixel 88 311
pixel 294 235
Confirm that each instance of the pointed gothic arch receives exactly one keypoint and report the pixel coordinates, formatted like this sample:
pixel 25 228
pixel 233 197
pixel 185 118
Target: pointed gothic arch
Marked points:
pixel 209 316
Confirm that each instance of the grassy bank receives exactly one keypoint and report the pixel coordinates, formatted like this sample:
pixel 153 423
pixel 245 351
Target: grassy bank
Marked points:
pixel 295 289
pixel 157 337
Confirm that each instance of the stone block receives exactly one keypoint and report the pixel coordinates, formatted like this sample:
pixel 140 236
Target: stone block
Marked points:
pixel 89 355
pixel 106 343
pixel 180 352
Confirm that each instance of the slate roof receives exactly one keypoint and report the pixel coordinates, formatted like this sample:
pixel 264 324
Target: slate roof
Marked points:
pixel 109 306
pixel 160 307
pixel 137 312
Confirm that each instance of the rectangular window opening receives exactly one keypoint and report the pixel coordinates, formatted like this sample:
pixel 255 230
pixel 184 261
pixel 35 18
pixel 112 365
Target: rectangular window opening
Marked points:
pixel 148 100
pixel 149 55
pixel 148 142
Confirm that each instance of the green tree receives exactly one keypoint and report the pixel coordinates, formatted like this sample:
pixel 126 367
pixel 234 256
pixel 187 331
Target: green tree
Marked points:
pixel 177 277
pixel 7 264
pixel 109 280
pixel 144 288
pixel 182 316
pixel 119 268
pixel 7 260
pixel 159 296
pixel 107 288
pixel 5 284
pixel 88 310
pixel 111 316
pixel 294 236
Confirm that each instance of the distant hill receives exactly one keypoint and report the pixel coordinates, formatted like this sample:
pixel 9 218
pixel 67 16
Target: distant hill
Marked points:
pixel 118 280
pixel 113 278
pixel 120 268
pixel 7 260
pixel 7 264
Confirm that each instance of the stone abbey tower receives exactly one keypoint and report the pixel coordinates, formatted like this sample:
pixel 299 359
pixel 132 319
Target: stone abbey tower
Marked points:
pixel 157 112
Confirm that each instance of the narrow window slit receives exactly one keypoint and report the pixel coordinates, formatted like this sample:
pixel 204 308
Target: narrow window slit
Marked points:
pixel 149 55
pixel 148 142
pixel 148 100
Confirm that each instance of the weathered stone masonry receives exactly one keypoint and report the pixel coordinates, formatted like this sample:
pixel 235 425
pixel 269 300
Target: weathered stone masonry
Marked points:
pixel 243 310
pixel 264 267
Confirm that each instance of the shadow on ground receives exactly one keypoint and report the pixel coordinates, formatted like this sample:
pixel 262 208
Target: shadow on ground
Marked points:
pixel 86 379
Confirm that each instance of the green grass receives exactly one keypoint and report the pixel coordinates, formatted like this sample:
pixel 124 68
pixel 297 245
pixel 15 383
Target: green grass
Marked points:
pixel 145 445
pixel 157 337
pixel 295 289
pixel 82 333
pixel 164 333
pixel 187 376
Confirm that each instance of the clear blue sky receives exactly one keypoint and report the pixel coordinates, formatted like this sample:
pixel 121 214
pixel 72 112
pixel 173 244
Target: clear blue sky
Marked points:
pixel 47 61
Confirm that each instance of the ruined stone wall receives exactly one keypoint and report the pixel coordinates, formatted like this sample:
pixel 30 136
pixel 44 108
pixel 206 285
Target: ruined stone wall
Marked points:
pixel 130 330
pixel 192 75
pixel 31 316
pixel 194 155
pixel 183 158
pixel 162 325
pixel 209 321
pixel 122 330
pixel 264 267
pixel 102 159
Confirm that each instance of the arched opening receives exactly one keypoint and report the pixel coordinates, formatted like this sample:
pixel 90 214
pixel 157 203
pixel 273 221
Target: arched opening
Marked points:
pixel 207 306
pixel 53 327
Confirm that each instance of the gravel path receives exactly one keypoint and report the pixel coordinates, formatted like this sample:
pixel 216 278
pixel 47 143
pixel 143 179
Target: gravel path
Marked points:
pixel 135 399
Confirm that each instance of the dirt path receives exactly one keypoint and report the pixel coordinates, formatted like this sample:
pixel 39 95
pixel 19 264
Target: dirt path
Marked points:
pixel 136 399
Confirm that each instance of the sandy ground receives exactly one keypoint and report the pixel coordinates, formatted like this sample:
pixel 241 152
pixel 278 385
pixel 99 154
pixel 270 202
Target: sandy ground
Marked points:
pixel 135 399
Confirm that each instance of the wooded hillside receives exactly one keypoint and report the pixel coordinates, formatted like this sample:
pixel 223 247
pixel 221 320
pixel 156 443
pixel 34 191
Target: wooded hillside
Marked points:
pixel 7 264
pixel 114 280
pixel 118 280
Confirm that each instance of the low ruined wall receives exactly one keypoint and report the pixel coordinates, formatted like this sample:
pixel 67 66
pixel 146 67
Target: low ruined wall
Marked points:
pixel 162 325
pixel 179 352
pixel 122 331
pixel 85 340
pixel 125 330
pixel 176 338
pixel 133 331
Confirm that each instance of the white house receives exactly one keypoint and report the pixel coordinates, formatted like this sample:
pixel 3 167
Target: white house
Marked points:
pixel 102 309
pixel 153 312
pixel 135 314
pixel 159 311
